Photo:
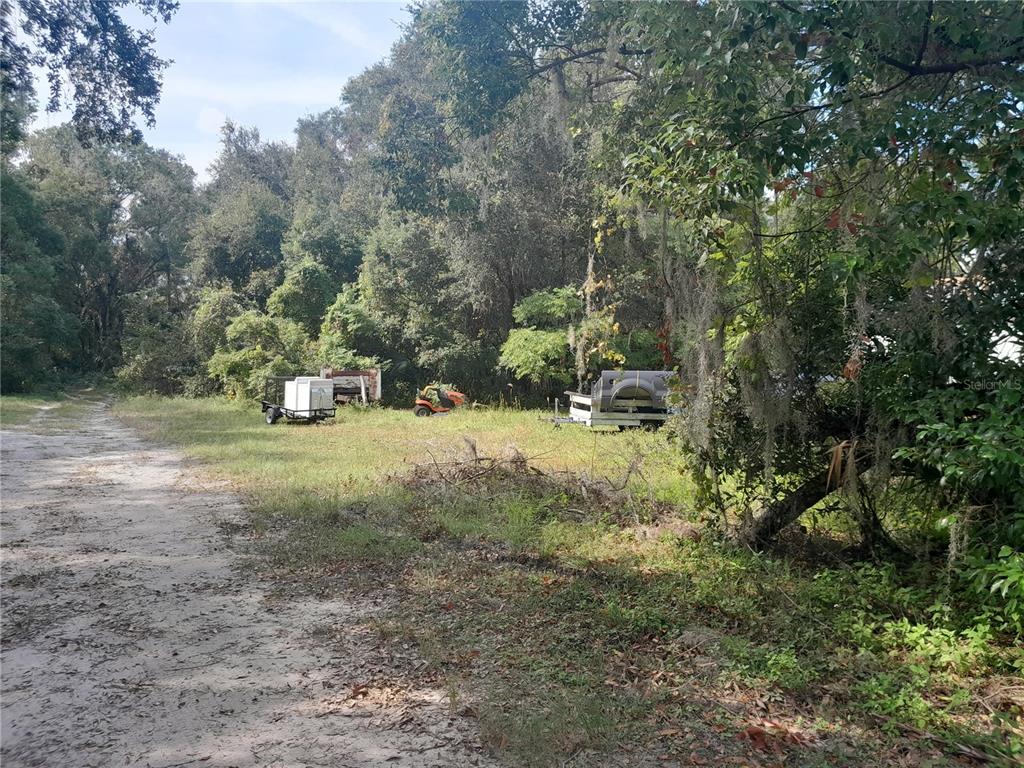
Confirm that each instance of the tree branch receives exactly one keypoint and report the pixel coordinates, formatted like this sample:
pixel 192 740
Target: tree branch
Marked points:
pixel 566 59
pixel 918 70
pixel 628 71
pixel 584 54
pixel 613 79
pixel 817 107
pixel 927 31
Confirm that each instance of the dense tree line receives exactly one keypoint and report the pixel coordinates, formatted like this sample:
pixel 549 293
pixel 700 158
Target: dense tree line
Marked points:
pixel 811 210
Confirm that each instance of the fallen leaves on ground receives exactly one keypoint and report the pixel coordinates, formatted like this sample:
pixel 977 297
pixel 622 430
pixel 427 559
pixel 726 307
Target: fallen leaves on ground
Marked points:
pixel 773 736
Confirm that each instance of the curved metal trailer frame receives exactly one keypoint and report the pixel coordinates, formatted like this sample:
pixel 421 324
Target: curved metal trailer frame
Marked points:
pixel 622 399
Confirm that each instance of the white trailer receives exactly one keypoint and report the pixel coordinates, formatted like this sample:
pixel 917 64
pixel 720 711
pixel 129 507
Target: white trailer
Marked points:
pixel 584 409
pixel 622 399
pixel 309 398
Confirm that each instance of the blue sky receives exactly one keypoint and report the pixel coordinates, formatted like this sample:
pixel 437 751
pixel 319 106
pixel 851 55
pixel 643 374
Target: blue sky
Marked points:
pixel 259 63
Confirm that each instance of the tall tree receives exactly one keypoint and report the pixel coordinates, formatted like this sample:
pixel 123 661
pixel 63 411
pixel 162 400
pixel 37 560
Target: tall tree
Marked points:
pixel 123 211
pixel 92 59
pixel 822 182
pixel 249 206
pixel 36 332
pixel 323 229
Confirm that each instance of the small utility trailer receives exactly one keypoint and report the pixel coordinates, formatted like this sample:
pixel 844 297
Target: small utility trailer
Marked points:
pixel 622 399
pixel 303 398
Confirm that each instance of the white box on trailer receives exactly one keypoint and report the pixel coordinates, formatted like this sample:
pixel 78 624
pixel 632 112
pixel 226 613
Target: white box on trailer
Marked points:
pixel 308 393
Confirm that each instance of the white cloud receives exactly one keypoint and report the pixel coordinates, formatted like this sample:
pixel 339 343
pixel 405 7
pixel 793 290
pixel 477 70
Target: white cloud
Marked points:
pixel 198 154
pixel 299 91
pixel 337 20
pixel 210 119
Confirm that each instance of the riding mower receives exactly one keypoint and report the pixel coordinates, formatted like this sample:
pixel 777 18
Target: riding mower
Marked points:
pixel 437 398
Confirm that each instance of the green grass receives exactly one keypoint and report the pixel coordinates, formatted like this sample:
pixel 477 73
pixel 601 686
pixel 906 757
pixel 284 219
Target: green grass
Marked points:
pixel 42 409
pixel 300 468
pixel 571 625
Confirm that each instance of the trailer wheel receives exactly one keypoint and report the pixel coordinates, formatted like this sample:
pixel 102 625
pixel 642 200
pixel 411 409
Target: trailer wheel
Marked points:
pixel 421 410
pixel 272 415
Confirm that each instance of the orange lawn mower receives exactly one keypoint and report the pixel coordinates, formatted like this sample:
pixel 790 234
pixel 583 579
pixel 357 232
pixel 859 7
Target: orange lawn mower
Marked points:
pixel 437 398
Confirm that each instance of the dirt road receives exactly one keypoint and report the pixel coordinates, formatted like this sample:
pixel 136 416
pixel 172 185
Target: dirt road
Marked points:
pixel 130 638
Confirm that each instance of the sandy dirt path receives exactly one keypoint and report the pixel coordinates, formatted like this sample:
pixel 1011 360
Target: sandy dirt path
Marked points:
pixel 130 637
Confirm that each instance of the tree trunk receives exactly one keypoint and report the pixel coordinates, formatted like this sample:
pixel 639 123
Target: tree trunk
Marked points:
pixel 788 509
pixel 781 513
pixel 874 539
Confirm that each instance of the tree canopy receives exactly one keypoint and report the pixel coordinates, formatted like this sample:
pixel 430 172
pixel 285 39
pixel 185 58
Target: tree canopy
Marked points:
pixel 93 61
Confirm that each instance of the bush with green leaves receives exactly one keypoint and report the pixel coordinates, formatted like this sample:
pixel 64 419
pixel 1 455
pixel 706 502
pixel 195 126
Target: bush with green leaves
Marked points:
pixel 207 325
pixel 560 341
pixel 349 336
pixel 347 323
pixel 330 351
pixel 304 295
pixel 466 362
pixel 553 308
pixel 996 578
pixel 968 439
pixel 639 350
pixel 973 439
pixel 538 356
pixel 157 356
pixel 258 346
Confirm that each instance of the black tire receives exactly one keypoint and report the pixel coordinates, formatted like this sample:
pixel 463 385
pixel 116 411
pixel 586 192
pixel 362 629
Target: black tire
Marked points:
pixel 421 410
pixel 272 415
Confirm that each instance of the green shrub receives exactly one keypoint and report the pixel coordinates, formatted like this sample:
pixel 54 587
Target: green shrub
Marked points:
pixel 304 295
pixel 538 356
pixel 549 309
pixel 258 346
pixel 998 582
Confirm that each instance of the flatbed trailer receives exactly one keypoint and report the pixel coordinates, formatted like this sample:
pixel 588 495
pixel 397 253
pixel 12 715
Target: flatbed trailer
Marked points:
pixel 586 409
pixel 275 403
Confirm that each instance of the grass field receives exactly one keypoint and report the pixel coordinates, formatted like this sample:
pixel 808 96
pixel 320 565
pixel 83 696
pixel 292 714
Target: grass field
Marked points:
pixel 361 444
pixel 568 601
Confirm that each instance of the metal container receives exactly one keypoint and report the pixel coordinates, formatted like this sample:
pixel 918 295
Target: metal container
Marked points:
pixel 306 394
